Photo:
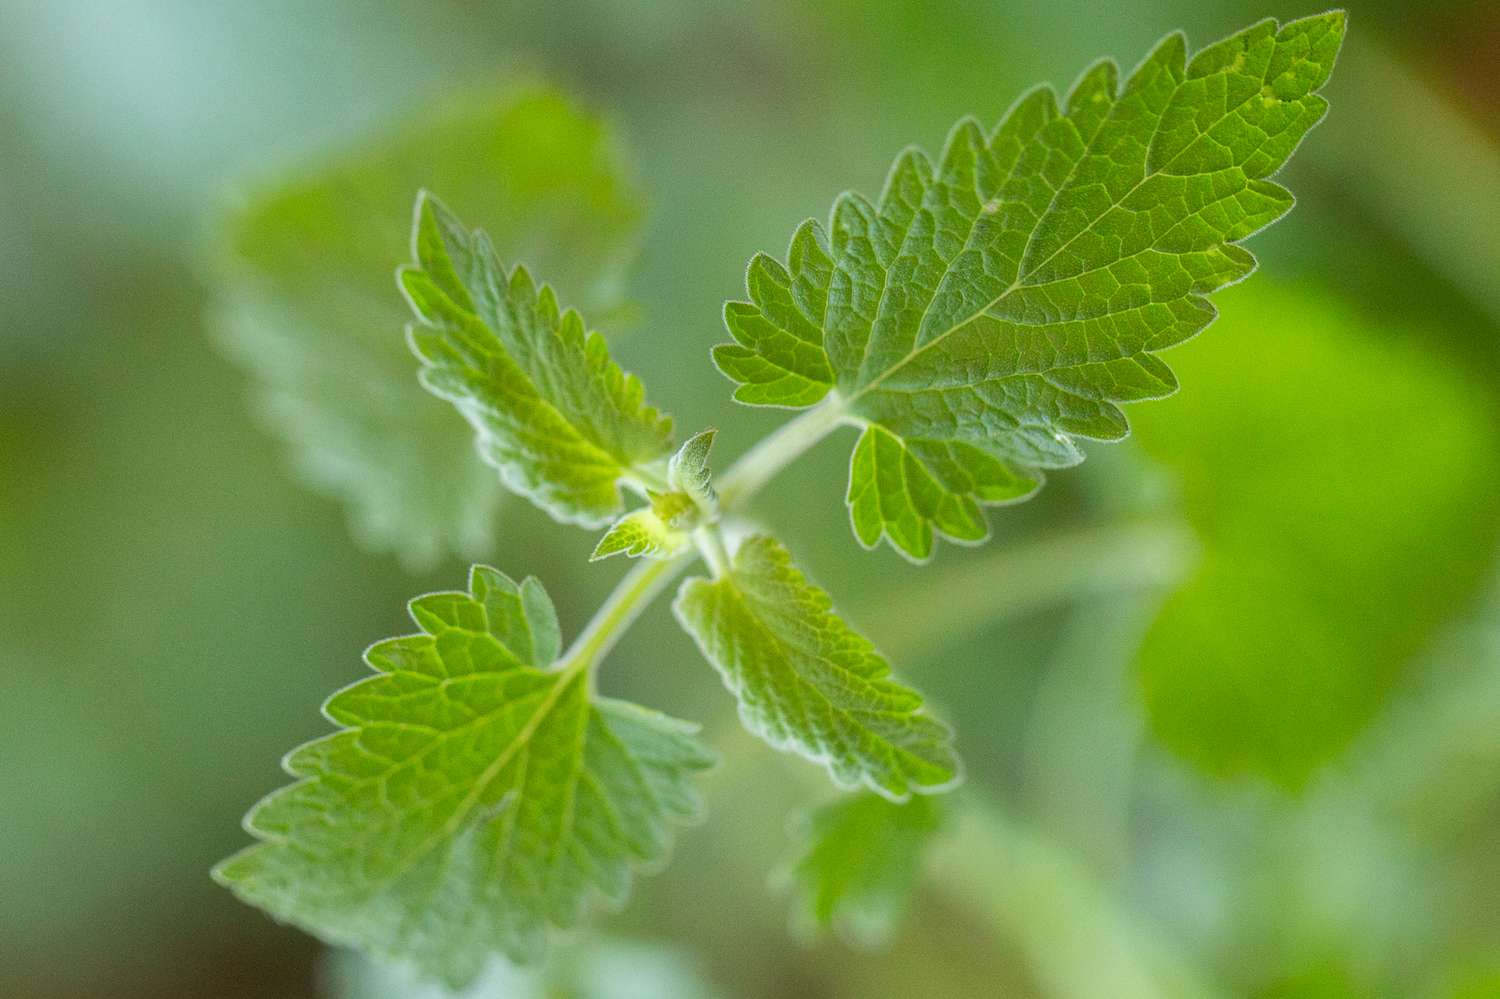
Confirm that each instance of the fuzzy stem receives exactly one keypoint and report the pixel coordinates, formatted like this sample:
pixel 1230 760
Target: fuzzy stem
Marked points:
pixel 757 467
pixel 774 452
pixel 710 542
pixel 624 604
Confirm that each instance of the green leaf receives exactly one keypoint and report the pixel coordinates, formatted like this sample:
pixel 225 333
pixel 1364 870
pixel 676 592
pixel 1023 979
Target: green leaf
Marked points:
pixel 1010 297
pixel 807 682
pixel 303 298
pixel 661 530
pixel 777 357
pixel 856 863
pixel 909 490
pixel 475 797
pixel 560 421
pixel 689 473
pixel 1340 476
pixel 640 533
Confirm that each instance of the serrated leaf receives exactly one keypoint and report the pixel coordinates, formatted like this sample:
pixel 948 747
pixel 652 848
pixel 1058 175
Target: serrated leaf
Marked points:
pixel 303 298
pixel 639 534
pixel 909 490
pixel 856 862
pixel 778 357
pixel 476 796
pixel 808 683
pixel 1013 295
pixel 560 421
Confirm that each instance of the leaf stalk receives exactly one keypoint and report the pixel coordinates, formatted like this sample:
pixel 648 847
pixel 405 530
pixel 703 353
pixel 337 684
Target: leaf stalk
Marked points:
pixel 780 448
pixel 743 480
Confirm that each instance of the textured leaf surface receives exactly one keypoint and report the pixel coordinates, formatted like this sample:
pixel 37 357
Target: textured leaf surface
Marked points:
pixel 639 534
pixel 476 796
pixel 910 490
pixel 303 298
pixel 562 423
pixel 807 682
pixel 857 860
pixel 689 473
pixel 1010 296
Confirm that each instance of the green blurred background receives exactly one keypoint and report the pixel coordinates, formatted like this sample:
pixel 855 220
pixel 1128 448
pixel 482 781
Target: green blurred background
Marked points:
pixel 1229 693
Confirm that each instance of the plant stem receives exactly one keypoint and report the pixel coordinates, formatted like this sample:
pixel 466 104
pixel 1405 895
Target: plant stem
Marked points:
pixel 783 446
pixel 648 577
pixel 1009 582
pixel 710 542
pixel 624 604
pixel 1078 940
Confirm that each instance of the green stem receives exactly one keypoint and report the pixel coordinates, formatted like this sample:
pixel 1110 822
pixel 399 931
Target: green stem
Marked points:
pixel 641 585
pixel 787 443
pixel 710 542
pixel 1077 939
pixel 1009 582
pixel 624 604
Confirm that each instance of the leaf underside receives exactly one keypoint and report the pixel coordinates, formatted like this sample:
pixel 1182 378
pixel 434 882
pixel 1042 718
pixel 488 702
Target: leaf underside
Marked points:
pixel 808 683
pixel 996 305
pixel 476 797
pixel 560 421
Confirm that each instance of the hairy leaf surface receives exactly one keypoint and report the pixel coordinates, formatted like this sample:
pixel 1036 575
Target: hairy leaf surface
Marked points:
pixel 639 534
pixel 1009 297
pixel 689 473
pixel 807 682
pixel 303 298
pixel 476 796
pixel 560 421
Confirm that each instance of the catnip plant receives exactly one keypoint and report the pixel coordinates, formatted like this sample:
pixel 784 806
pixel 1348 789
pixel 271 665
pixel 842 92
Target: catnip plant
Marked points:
pixel 990 309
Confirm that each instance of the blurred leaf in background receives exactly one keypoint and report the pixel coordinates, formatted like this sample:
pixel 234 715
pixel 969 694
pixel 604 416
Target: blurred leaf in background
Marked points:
pixel 593 968
pixel 307 298
pixel 856 861
pixel 1381 877
pixel 1342 481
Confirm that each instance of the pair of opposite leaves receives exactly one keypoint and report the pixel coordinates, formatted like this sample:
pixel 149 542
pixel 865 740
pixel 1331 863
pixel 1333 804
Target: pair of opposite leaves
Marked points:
pixel 985 312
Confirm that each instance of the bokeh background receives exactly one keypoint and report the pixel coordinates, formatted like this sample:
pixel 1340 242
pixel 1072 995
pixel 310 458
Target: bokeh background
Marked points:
pixel 1229 693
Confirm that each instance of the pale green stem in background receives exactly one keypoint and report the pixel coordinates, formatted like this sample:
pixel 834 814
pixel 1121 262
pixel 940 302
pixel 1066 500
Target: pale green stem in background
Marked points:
pixel 1033 576
pixel 1078 941
pixel 1038 894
